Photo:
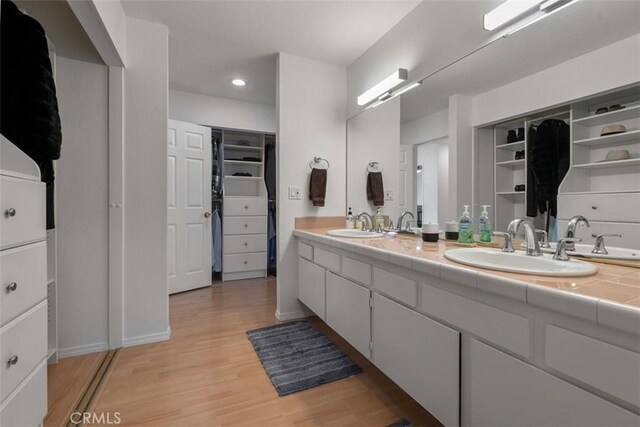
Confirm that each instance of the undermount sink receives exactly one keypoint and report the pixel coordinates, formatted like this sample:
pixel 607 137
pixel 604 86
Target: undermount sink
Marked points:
pixel 584 250
pixel 518 262
pixel 361 234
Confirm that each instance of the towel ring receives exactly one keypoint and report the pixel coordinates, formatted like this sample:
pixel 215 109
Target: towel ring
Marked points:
pixel 374 167
pixel 317 160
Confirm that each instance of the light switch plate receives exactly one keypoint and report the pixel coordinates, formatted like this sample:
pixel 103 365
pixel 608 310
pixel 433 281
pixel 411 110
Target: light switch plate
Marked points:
pixel 295 193
pixel 388 195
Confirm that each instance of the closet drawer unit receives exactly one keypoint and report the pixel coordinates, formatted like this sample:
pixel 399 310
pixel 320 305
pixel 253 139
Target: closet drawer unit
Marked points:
pixel 22 211
pixel 245 225
pixel 244 244
pixel 27 406
pixel 600 207
pixel 23 279
pixel 244 262
pixel 630 233
pixel 23 344
pixel 245 206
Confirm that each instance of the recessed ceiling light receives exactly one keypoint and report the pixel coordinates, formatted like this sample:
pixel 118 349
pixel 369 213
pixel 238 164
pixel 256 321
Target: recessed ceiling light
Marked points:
pixel 239 82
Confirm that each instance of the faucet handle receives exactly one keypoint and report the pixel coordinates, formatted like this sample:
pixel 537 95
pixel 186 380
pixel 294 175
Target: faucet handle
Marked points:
pixel 599 246
pixel 543 238
pixel 508 247
pixel 407 225
pixel 561 249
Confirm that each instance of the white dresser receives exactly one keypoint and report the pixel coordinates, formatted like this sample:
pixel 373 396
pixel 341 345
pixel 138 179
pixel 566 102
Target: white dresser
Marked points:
pixel 23 290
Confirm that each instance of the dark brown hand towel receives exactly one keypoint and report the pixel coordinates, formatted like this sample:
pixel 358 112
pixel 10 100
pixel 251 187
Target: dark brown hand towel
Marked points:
pixel 375 188
pixel 318 186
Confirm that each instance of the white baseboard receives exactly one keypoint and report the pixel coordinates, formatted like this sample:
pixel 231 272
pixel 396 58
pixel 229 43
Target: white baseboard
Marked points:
pixel 283 317
pixel 82 349
pixel 147 339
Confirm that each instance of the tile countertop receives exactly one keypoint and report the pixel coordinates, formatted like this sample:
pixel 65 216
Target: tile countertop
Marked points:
pixel 610 297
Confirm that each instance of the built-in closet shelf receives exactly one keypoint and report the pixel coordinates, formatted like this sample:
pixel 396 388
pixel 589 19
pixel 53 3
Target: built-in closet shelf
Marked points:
pixel 610 117
pixel 242 177
pixel 52 352
pixel 243 162
pixel 512 163
pixel 620 138
pixel 513 146
pixel 611 164
pixel 50 281
pixel 510 193
pixel 578 193
pixel 241 147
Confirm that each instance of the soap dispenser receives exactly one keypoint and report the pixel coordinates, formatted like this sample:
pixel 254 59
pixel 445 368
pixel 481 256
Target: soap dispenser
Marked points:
pixel 378 219
pixel 350 222
pixel 485 225
pixel 465 227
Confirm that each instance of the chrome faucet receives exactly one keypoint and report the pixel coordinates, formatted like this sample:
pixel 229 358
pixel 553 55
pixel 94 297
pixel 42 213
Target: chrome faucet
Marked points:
pixel 368 217
pixel 401 218
pixel 533 248
pixel 507 247
pixel 571 229
pixel 599 247
pixel 543 239
pixel 561 249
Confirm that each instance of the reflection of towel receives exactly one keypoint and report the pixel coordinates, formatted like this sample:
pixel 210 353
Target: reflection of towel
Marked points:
pixel 375 188
pixel 318 186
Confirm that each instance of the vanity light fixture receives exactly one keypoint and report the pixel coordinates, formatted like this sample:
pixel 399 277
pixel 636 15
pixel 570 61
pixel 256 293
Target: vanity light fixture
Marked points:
pixel 390 95
pixel 239 82
pixel 385 86
pixel 522 13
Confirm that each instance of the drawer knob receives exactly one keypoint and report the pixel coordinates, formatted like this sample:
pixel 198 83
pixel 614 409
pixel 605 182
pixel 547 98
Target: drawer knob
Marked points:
pixel 246 243
pixel 10 213
pixel 13 360
pixel 12 287
pixel 594 207
pixel 245 262
pixel 246 207
pixel 246 225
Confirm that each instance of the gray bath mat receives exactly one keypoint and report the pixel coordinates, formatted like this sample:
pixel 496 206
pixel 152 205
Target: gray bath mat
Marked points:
pixel 297 356
pixel 401 423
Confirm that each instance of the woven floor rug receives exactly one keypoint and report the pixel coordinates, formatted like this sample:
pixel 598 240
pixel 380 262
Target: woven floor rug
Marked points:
pixel 297 356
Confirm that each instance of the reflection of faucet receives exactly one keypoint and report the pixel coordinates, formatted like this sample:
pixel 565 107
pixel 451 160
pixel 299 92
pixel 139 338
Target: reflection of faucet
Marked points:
pixel 571 229
pixel 368 217
pixel 401 218
pixel 599 247
pixel 561 254
pixel 533 248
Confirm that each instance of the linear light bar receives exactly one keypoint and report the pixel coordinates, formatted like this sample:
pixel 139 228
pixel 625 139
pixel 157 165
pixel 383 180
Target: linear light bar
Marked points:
pixel 384 86
pixel 548 8
pixel 507 12
pixel 387 96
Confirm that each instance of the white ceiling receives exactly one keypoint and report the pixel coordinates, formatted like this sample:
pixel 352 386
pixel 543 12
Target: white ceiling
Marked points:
pixel 211 42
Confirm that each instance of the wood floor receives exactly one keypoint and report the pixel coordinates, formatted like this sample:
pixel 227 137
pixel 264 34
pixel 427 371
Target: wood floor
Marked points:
pixel 209 375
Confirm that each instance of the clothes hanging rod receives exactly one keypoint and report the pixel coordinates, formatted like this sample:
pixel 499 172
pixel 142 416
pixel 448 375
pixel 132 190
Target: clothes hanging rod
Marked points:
pixel 551 116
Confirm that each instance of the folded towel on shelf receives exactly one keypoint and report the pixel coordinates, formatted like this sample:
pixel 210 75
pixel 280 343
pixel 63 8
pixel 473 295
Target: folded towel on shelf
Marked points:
pixel 318 186
pixel 375 188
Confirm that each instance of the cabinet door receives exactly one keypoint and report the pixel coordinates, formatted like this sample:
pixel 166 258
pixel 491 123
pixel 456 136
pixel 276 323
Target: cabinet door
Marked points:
pixel 505 391
pixel 420 355
pixel 348 312
pixel 311 289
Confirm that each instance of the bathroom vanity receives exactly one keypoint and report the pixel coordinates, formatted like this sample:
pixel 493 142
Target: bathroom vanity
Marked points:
pixel 477 347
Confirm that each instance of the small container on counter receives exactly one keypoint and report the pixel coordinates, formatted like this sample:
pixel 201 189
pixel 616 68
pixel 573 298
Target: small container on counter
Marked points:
pixel 451 230
pixel 430 232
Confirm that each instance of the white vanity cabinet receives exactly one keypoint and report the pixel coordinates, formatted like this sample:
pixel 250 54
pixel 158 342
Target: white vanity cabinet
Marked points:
pixel 311 286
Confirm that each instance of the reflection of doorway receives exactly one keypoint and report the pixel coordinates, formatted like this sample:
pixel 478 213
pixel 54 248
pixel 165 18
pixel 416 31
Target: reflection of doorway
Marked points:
pixel 432 181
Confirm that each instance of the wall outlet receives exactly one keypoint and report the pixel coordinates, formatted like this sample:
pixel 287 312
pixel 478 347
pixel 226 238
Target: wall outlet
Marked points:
pixel 388 195
pixel 295 193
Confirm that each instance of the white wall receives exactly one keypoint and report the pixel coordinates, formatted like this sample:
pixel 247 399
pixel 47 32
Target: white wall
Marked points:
pixel 146 311
pixel 428 128
pixel 82 199
pixel 612 66
pixel 460 155
pixel 221 112
pixel 434 181
pixel 311 111
pixel 374 135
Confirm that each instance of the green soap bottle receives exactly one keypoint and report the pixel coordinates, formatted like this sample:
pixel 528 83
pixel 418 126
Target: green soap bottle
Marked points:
pixel 465 227
pixel 485 225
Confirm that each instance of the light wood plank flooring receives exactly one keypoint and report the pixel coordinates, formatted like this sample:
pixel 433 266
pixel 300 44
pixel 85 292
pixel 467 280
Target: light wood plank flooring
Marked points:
pixel 209 375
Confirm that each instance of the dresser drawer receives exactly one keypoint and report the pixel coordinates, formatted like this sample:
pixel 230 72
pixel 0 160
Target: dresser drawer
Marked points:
pixel 356 270
pixel 23 279
pixel 630 233
pixel 27 406
pixel 244 262
pixel 24 338
pixel 327 259
pixel 245 225
pixel 305 251
pixel 22 211
pixel 245 243
pixel 600 207
pixel 397 287
pixel 245 206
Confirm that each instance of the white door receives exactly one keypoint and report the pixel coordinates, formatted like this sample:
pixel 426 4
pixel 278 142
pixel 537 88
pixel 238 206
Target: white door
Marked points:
pixel 405 180
pixel 189 206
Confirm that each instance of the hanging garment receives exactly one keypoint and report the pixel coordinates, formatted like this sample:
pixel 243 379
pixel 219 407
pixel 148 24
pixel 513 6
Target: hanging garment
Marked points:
pixel 216 242
pixel 318 186
pixel 29 115
pixel 271 239
pixel 532 201
pixel 221 165
pixel 549 162
pixel 215 168
pixel 375 188
pixel 270 170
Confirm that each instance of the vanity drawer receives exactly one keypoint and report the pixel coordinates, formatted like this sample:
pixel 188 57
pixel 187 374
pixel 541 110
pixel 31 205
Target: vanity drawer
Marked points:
pixel 305 251
pixel 245 243
pixel 25 200
pixel 356 270
pixel 23 269
pixel 397 287
pixel 611 369
pixel 27 406
pixel 245 225
pixel 600 207
pixel 245 206
pixel 26 338
pixel 327 259
pixel 244 262
pixel 630 233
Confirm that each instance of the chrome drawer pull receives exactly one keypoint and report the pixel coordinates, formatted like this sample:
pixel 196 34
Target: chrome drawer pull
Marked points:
pixel 10 213
pixel 12 287
pixel 594 207
pixel 13 360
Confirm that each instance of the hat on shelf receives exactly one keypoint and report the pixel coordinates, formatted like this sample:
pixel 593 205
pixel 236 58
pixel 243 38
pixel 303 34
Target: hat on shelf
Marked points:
pixel 612 130
pixel 615 155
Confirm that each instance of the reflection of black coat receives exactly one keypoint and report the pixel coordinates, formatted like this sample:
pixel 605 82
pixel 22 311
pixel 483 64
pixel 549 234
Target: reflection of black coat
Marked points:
pixel 548 153
pixel 29 108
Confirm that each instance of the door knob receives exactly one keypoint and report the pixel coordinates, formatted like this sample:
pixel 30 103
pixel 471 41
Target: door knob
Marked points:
pixel 13 360
pixel 12 287
pixel 9 213
pixel 207 214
